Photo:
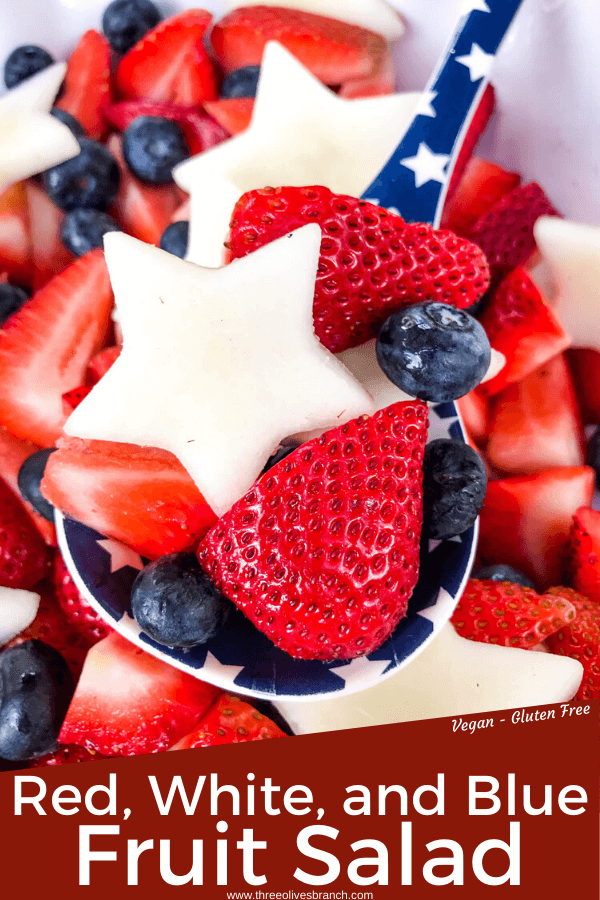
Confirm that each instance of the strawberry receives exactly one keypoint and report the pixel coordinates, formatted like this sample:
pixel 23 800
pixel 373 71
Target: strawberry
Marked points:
pixel 581 641
pixel 72 399
pixel 536 424
pixel 15 235
pixel 322 554
pixel 88 83
pixel 474 410
pixel 127 702
pixel 233 113
pixel 76 608
pixel 200 131
pixel 503 613
pixel 520 325
pixel 170 63
pixel 372 262
pixel 379 83
pixel 13 453
pixel 229 721
pixel 143 210
pixel 525 521
pixel 583 553
pixel 334 51
pixel 49 255
pixel 584 364
pixel 139 496
pixel 505 231
pixel 481 185
pixel 23 554
pixel 68 753
pixel 101 363
pixel 45 348
pixel 477 125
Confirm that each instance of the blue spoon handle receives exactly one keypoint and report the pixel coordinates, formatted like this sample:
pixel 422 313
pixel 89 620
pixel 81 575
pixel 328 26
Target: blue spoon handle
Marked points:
pixel 415 179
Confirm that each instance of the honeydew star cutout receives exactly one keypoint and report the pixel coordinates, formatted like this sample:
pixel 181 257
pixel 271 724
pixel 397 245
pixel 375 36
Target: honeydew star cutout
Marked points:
pixel 301 133
pixel 32 140
pixel 218 365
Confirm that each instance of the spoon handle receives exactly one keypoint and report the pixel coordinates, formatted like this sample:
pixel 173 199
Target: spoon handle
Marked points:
pixel 414 180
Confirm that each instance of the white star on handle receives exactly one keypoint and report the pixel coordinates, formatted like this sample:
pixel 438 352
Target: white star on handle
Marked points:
pixel 478 62
pixel 375 15
pixel 424 107
pixel 427 166
pixel 230 672
pixel 469 6
pixel 301 133
pixel 451 677
pixel 361 669
pixel 121 555
pixel 218 365
pixel 32 140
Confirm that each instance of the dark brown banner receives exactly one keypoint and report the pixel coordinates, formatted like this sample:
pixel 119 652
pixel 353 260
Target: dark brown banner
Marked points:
pixel 502 805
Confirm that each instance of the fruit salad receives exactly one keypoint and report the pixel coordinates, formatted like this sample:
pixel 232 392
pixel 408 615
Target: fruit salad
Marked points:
pixel 208 419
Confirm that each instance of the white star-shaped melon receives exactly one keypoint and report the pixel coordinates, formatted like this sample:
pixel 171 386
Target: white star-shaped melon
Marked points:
pixel 300 134
pixel 218 365
pixel 427 165
pixel 478 62
pixel 572 252
pixel 121 555
pixel 32 140
pixel 451 677
pixel 18 609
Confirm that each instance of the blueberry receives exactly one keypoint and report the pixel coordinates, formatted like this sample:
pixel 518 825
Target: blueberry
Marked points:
pixel 454 486
pixel 433 351
pixel 152 146
pixel 24 62
pixel 12 298
pixel 35 691
pixel 29 479
pixel 593 454
pixel 83 230
pixel 502 572
pixel 70 121
pixel 125 22
pixel 280 453
pixel 88 180
pixel 175 238
pixel 241 83
pixel 176 603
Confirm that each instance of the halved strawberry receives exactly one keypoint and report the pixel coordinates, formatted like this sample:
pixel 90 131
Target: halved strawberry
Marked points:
pixel 581 641
pixel 15 235
pixel 525 522
pixel 76 608
pixel 583 553
pixel 584 364
pixel 68 753
pixel 230 721
pixel 481 185
pixel 13 453
pixel 334 51
pixel 143 210
pixel 200 130
pixel 520 324
pixel 72 399
pixel 88 83
pixel 45 348
pixel 49 255
pixel 371 264
pixel 24 557
pixel 101 363
pixel 536 424
pixel 137 495
pixel 379 83
pixel 477 125
pixel 170 63
pixel 508 614
pixel 233 113
pixel 474 410
pixel 127 702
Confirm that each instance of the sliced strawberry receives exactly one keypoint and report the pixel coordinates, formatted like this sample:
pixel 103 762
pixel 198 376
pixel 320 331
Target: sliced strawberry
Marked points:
pixel 15 235
pixel 24 557
pixel 233 114
pixel 127 702
pixel 536 424
pixel 581 641
pixel 505 231
pixel 76 608
pixel 481 186
pixel 584 364
pixel 334 51
pixel 583 553
pixel 170 63
pixel 525 522
pixel 45 348
pixel 322 554
pixel 101 363
pixel 88 83
pixel 380 83
pixel 139 496
pixel 477 125
pixel 72 399
pixel 143 210
pixel 474 410
pixel 229 721
pixel 68 753
pixel 49 254
pixel 520 324
pixel 372 262
pixel 200 130
pixel 13 453
pixel 183 212
pixel 508 614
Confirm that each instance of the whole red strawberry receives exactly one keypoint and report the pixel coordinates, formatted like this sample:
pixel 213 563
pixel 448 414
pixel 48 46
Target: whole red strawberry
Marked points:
pixel 24 556
pixel 499 612
pixel 322 554
pixel 372 262
pixel 581 641
pixel 76 608
pixel 229 721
